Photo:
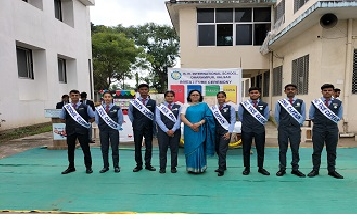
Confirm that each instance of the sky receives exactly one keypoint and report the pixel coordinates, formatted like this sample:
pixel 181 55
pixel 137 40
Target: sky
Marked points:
pixel 129 12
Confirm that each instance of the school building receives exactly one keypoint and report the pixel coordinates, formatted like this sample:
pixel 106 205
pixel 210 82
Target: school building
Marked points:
pixel 46 51
pixel 275 42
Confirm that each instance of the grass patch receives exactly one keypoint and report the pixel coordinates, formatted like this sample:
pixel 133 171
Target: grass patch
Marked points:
pixel 23 132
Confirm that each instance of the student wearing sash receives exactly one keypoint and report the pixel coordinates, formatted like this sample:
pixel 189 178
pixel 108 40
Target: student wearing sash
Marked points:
pixel 169 130
pixel 198 132
pixel 290 113
pixel 225 119
pixel 142 116
pixel 325 113
pixel 337 92
pixel 75 115
pixel 109 118
pixel 253 114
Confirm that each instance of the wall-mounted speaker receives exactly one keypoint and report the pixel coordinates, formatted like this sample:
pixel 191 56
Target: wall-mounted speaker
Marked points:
pixel 328 20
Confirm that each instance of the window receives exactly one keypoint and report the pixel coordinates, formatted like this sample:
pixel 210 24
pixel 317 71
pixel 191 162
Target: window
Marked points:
pixel 278 81
pixel 25 0
pixel 246 92
pixel 354 75
pixel 228 26
pixel 258 82
pixel 62 71
pixel 24 63
pixel 298 4
pixel 252 81
pixel 266 84
pixel 58 9
pixel 279 14
pixel 300 74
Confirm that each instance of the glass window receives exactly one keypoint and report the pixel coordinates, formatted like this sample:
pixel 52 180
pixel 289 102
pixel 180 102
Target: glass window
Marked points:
pixel 225 35
pixel 206 35
pixel 205 15
pixel 260 32
pixel 243 34
pixel 243 15
pixel 24 63
pixel 62 74
pixel 261 14
pixel 58 9
pixel 224 15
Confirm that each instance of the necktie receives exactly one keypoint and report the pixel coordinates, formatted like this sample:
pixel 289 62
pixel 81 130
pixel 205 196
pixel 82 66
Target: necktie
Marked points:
pixel 107 108
pixel 220 107
pixel 170 107
pixel 74 106
pixel 254 103
pixel 326 102
pixel 291 101
pixel 144 100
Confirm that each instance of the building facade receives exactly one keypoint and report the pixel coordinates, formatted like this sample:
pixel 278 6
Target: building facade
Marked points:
pixel 46 51
pixel 276 42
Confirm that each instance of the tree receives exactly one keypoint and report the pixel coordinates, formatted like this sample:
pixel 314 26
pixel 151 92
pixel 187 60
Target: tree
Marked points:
pixel 113 56
pixel 161 46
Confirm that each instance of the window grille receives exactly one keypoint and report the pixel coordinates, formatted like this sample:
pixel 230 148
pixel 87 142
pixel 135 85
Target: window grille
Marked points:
pixel 300 74
pixel 354 75
pixel 278 81
pixel 266 84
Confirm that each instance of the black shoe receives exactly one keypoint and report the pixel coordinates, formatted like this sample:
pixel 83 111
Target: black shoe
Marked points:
pixel 173 170
pixel 263 171
pixel 217 170
pixel 246 171
pixel 91 141
pixel 69 170
pixel 89 170
pixel 117 169
pixel 137 169
pixel 335 175
pixel 220 173
pixel 313 173
pixel 162 171
pixel 104 170
pixel 150 168
pixel 281 173
pixel 298 173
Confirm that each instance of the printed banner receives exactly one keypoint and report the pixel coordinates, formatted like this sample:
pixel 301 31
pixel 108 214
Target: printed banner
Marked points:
pixel 209 82
pixel 59 131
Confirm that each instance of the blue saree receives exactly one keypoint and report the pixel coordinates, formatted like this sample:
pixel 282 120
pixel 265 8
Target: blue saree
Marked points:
pixel 198 145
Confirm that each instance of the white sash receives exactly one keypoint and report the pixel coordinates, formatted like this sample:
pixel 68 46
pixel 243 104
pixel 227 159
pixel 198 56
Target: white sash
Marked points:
pixel 254 112
pixel 290 109
pixel 76 117
pixel 111 123
pixel 218 115
pixel 140 106
pixel 319 104
pixel 167 112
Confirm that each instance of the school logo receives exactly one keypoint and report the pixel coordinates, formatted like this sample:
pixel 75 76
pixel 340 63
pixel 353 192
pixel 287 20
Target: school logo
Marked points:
pixel 176 75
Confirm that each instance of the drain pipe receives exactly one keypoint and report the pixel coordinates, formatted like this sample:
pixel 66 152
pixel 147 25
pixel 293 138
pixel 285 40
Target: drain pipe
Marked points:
pixel 348 78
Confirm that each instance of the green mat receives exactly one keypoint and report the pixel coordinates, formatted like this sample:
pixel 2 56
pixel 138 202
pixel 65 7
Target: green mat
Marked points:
pixel 31 181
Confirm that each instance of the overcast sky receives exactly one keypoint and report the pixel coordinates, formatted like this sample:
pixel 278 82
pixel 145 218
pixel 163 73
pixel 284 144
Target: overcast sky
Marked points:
pixel 129 12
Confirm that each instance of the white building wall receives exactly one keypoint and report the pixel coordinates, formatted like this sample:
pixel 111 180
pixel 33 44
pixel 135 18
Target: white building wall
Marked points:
pixel 327 64
pixel 22 101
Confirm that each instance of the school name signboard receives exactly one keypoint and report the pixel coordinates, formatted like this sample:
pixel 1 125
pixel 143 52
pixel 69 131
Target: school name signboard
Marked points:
pixel 208 81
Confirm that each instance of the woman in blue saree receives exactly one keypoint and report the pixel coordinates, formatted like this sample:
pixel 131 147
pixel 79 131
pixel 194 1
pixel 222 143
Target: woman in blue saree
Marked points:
pixel 198 132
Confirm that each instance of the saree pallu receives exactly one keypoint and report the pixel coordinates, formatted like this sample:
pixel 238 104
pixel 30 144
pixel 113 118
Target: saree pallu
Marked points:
pixel 199 145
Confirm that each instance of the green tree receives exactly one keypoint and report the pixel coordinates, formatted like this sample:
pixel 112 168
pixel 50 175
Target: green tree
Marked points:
pixel 161 46
pixel 113 56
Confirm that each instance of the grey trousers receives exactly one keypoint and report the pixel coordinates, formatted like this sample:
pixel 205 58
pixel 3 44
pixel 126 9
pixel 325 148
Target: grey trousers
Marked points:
pixel 288 134
pixel 112 137
pixel 164 143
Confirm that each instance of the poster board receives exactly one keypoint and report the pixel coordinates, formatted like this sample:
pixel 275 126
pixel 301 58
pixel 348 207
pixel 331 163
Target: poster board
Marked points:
pixel 208 82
